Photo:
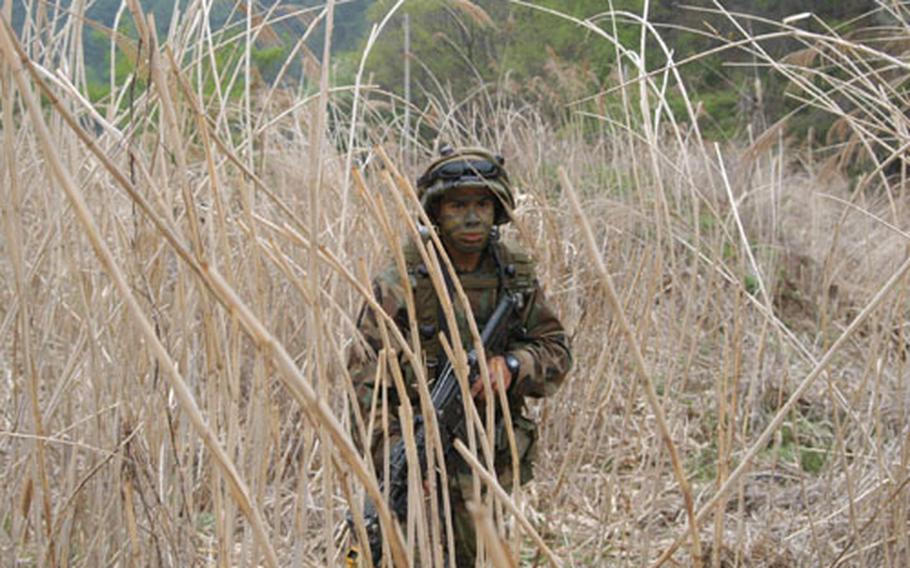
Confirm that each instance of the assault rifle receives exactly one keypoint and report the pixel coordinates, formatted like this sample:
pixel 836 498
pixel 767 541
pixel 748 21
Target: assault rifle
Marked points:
pixel 450 417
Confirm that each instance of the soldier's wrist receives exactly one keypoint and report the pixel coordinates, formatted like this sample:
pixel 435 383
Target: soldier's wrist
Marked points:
pixel 512 364
pixel 525 365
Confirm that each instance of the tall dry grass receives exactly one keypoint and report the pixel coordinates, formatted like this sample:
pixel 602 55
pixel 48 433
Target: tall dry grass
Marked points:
pixel 181 269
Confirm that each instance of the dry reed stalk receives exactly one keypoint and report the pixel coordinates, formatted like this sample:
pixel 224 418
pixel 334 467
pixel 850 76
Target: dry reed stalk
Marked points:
pixel 637 360
pixel 73 193
pixel 499 556
pixel 756 270
pixel 688 318
pixel 355 105
pixel 222 291
pixel 317 135
pixel 299 45
pixel 163 227
pixel 780 416
pixel 866 126
pixel 14 232
pixel 852 542
pixel 222 509
pixel 132 530
pixel 400 187
pixel 316 408
pixel 225 294
pixel 416 521
pixel 786 334
pixel 210 330
pixel 68 503
pixel 503 497
pixel 435 453
pixel 162 223
pixel 232 156
pixel 431 258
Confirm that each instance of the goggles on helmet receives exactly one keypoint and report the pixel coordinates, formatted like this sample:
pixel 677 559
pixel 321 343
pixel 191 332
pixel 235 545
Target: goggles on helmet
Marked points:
pixel 462 171
pixel 467 167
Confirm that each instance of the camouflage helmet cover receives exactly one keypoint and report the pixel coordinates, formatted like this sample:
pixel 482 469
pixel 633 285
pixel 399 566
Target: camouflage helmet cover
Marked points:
pixel 467 167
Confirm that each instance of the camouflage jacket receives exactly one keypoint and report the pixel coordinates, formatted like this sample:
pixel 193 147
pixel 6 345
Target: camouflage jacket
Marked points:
pixel 541 346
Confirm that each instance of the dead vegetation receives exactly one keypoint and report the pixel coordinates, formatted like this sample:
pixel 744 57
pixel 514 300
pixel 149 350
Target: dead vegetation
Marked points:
pixel 180 268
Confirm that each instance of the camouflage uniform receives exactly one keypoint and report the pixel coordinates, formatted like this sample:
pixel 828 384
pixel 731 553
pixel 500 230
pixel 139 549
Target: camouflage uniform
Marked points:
pixel 540 345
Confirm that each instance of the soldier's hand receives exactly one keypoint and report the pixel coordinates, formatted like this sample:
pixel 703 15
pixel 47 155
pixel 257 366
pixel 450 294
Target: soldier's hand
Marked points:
pixel 500 378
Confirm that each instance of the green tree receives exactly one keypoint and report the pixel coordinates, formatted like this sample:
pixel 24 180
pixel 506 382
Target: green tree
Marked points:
pixel 456 44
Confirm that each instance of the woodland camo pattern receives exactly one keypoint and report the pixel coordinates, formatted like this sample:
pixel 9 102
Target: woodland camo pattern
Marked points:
pixel 540 344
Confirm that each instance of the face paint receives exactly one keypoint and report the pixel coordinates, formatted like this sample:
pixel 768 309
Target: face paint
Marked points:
pixel 465 219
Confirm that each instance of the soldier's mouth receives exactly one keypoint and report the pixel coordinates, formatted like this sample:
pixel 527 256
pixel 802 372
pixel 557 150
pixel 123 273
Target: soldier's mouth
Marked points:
pixel 472 238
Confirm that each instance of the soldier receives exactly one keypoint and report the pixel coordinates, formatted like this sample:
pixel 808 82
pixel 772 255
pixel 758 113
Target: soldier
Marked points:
pixel 467 194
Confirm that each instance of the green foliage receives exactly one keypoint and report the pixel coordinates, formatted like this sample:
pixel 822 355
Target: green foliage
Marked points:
pixel 205 522
pixel 226 58
pixel 535 54
pixel 551 59
pixel 537 39
pixel 124 64
pixel 812 460
pixel 707 222
pixel 454 49
pixel 704 466
pixel 750 282
pixel 268 60
pixel 804 442
pixel 721 118
pixel 434 49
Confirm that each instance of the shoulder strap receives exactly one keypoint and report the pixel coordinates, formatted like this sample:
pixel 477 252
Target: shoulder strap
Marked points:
pixel 411 255
pixel 518 266
pixel 516 274
pixel 426 304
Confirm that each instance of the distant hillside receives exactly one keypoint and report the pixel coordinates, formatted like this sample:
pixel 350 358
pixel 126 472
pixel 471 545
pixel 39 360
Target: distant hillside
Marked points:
pixel 350 24
pixel 550 59
pixel 533 54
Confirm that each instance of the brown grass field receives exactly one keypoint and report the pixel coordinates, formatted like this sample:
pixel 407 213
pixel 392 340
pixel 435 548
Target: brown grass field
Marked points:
pixel 180 269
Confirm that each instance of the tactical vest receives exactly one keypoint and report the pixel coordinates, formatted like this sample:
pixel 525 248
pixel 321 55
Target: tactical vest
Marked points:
pixel 515 274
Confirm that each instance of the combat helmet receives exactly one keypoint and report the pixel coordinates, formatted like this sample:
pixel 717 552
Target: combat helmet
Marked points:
pixel 467 167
